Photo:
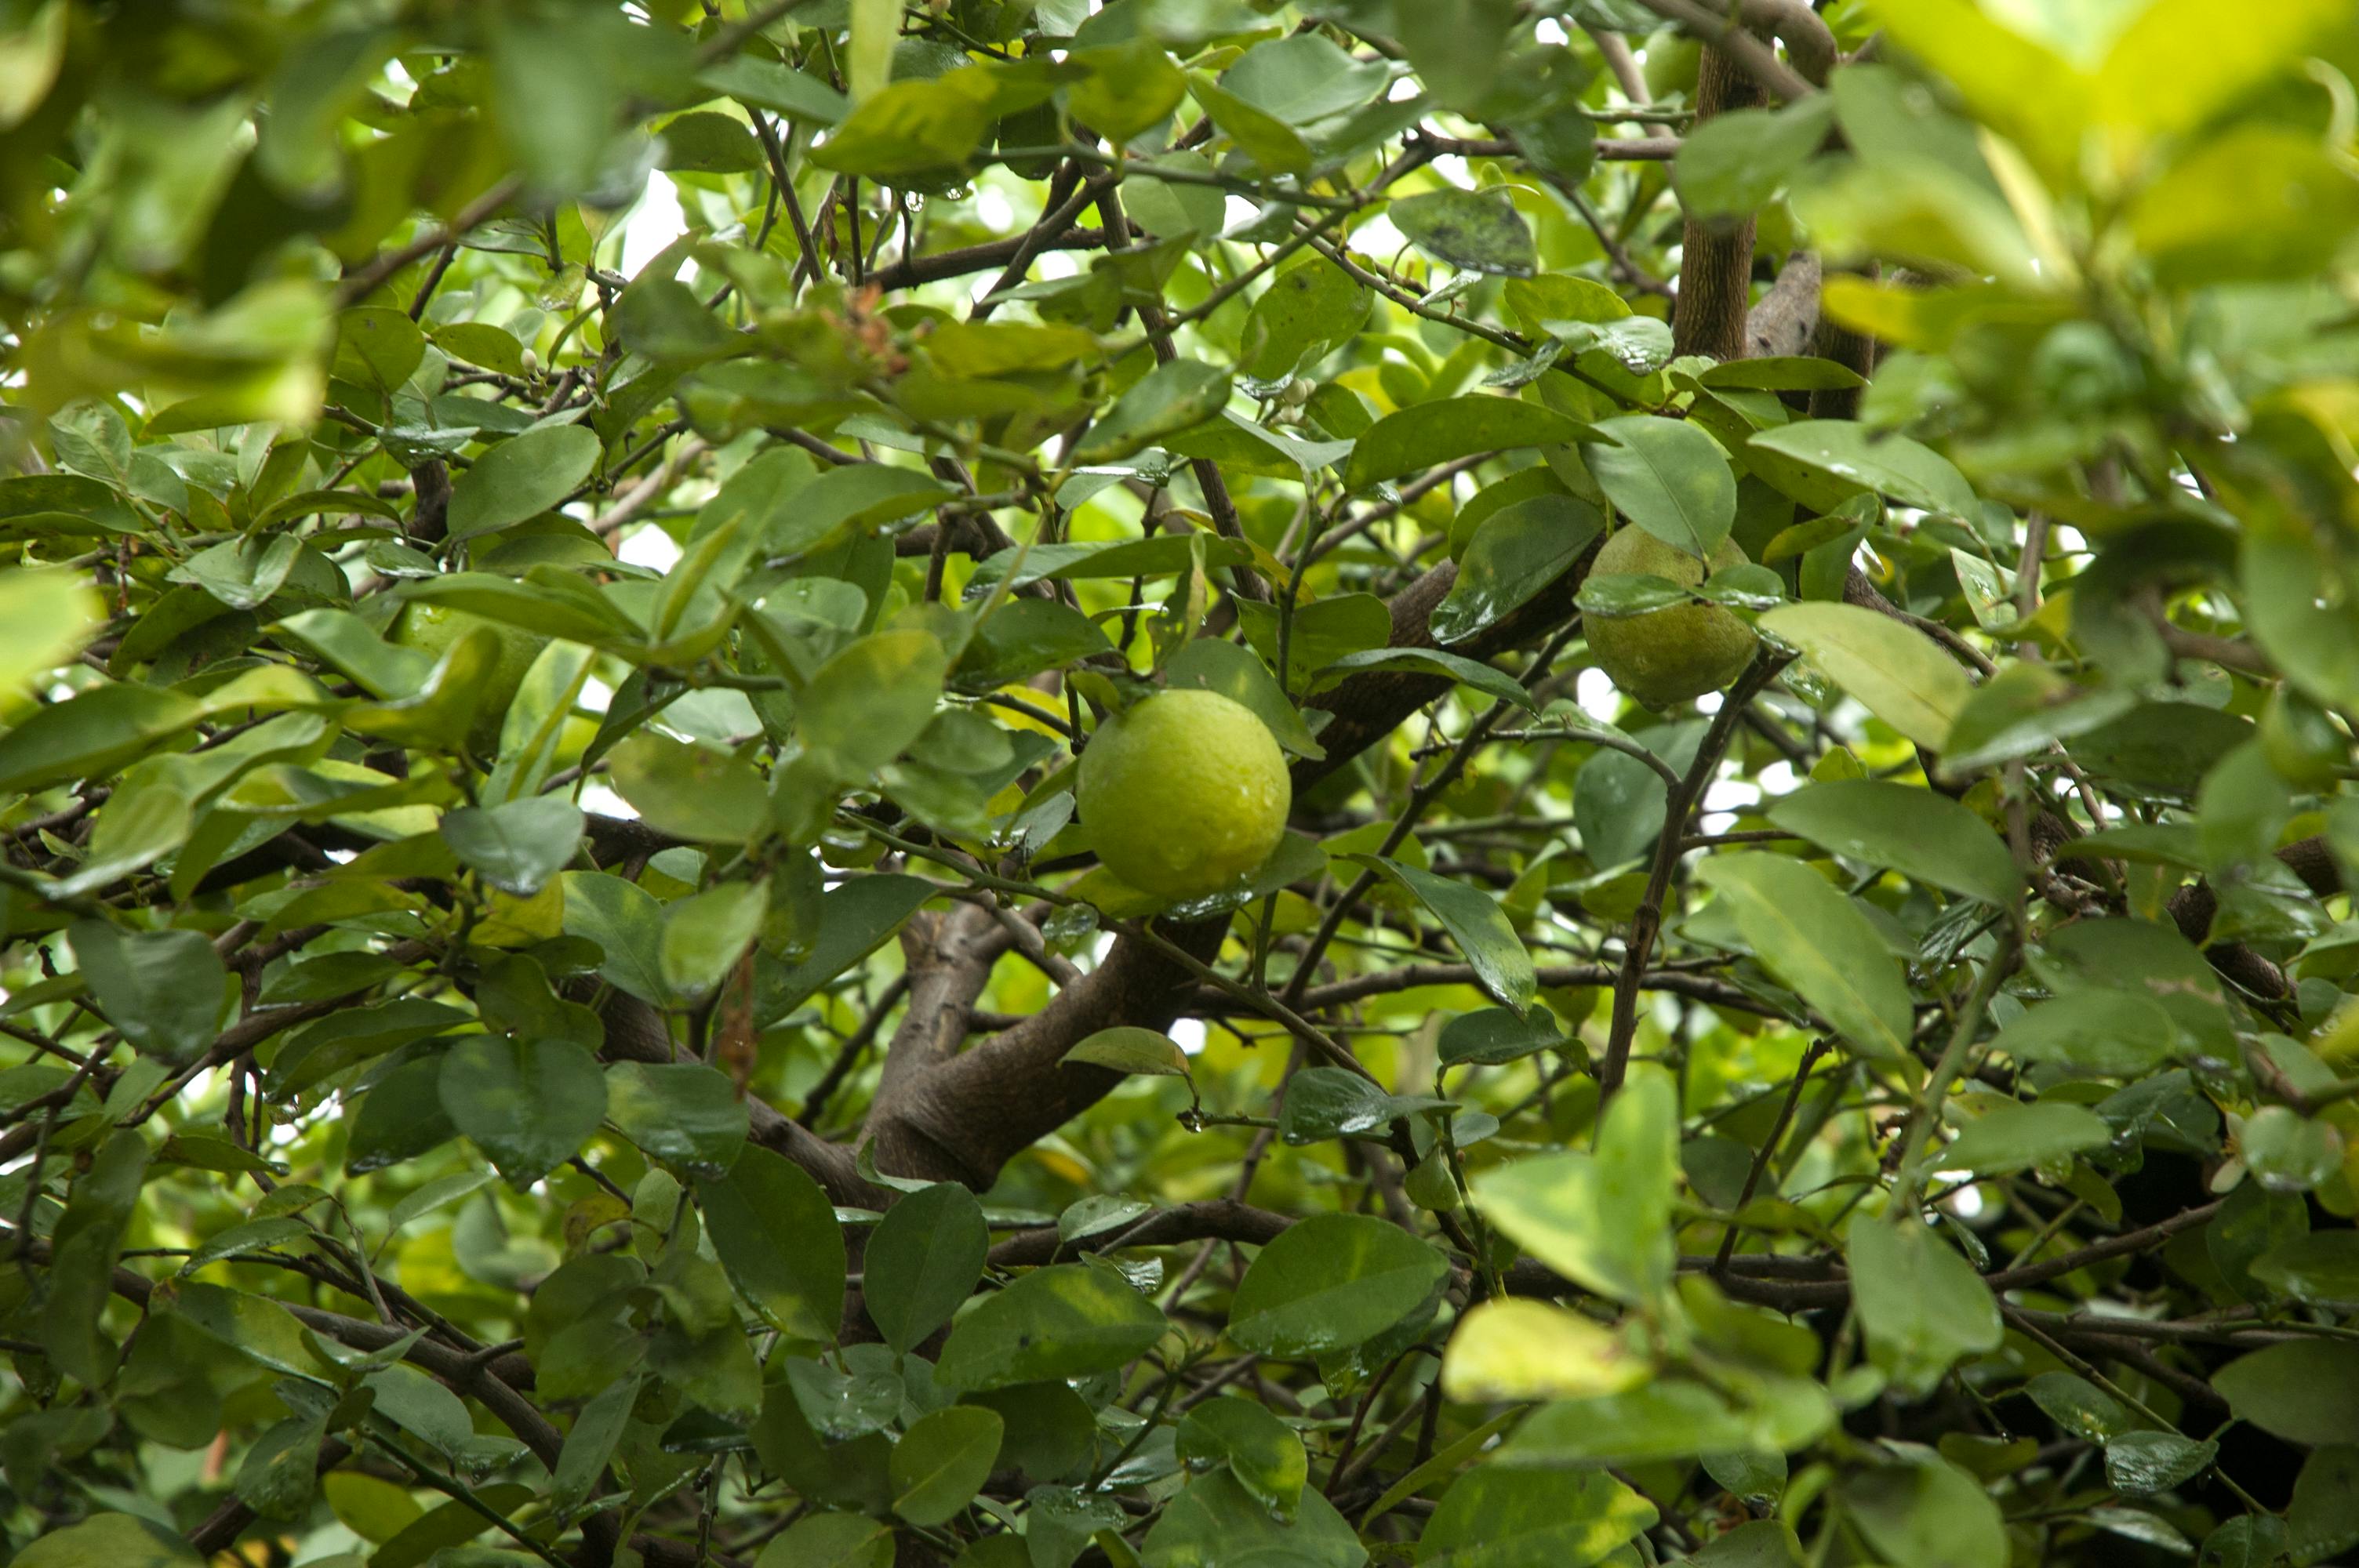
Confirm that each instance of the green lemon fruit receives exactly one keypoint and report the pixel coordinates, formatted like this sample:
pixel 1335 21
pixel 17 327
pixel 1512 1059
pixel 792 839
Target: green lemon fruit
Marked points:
pixel 1668 655
pixel 1184 793
pixel 432 629
pixel 1671 63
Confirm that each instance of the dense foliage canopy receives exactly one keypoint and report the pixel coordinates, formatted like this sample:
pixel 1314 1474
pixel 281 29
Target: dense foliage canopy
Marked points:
pixel 558 1006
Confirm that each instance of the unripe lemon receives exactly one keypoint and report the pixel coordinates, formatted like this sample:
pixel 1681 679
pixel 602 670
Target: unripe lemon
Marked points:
pixel 1672 62
pixel 1668 655
pixel 1184 793
pixel 432 629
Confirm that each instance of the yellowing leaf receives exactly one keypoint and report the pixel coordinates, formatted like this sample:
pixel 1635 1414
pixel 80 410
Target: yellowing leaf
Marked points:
pixel 2206 66
pixel 49 615
pixel 1899 673
pixel 1513 1349
pixel 2015 84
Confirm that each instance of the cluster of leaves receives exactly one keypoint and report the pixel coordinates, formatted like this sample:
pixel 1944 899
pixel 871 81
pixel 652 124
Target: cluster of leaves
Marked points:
pixel 557 1006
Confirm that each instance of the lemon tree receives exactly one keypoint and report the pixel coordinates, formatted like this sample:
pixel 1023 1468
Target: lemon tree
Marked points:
pixel 1172 783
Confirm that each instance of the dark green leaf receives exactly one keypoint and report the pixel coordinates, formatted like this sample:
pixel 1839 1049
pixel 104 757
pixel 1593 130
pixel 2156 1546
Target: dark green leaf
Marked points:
pixel 1909 472
pixel 1517 551
pixel 685 1113
pixel 1816 941
pixel 1331 1282
pixel 2017 1137
pixel 529 1105
pixel 1214 1519
pixel 1261 1451
pixel 1170 398
pixel 1430 661
pixel 775 1231
pixel 1476 923
pixel 2149 1462
pixel 942 1461
pixel 162 988
pixel 1067 1320
pixel 922 1261
pixel 1334 1102
pixel 1928 1512
pixel 1478 230
pixel 1921 1304
pixel 1419 437
pixel 1667 477
pixel 521 478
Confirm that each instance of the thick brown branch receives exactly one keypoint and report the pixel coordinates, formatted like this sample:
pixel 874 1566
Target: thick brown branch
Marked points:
pixel 1408 977
pixel 1717 254
pixel 964 1117
pixel 913 270
pixel 1787 317
pixel 1217 1219
pixel 947 957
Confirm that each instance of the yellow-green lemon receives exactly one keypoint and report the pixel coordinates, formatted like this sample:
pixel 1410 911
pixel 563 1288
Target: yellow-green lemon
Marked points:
pixel 1670 655
pixel 1184 793
pixel 432 629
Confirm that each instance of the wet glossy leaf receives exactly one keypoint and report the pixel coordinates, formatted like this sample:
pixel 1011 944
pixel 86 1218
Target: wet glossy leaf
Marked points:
pixel 1429 433
pixel 777 1234
pixel 684 1113
pixel 1261 1451
pixel 1518 552
pixel 1066 1320
pixel 529 1105
pixel 1907 471
pixel 1331 1282
pixel 2148 1461
pixel 1477 230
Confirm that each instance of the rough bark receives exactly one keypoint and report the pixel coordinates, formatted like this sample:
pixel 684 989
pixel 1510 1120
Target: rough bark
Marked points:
pixel 1716 257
